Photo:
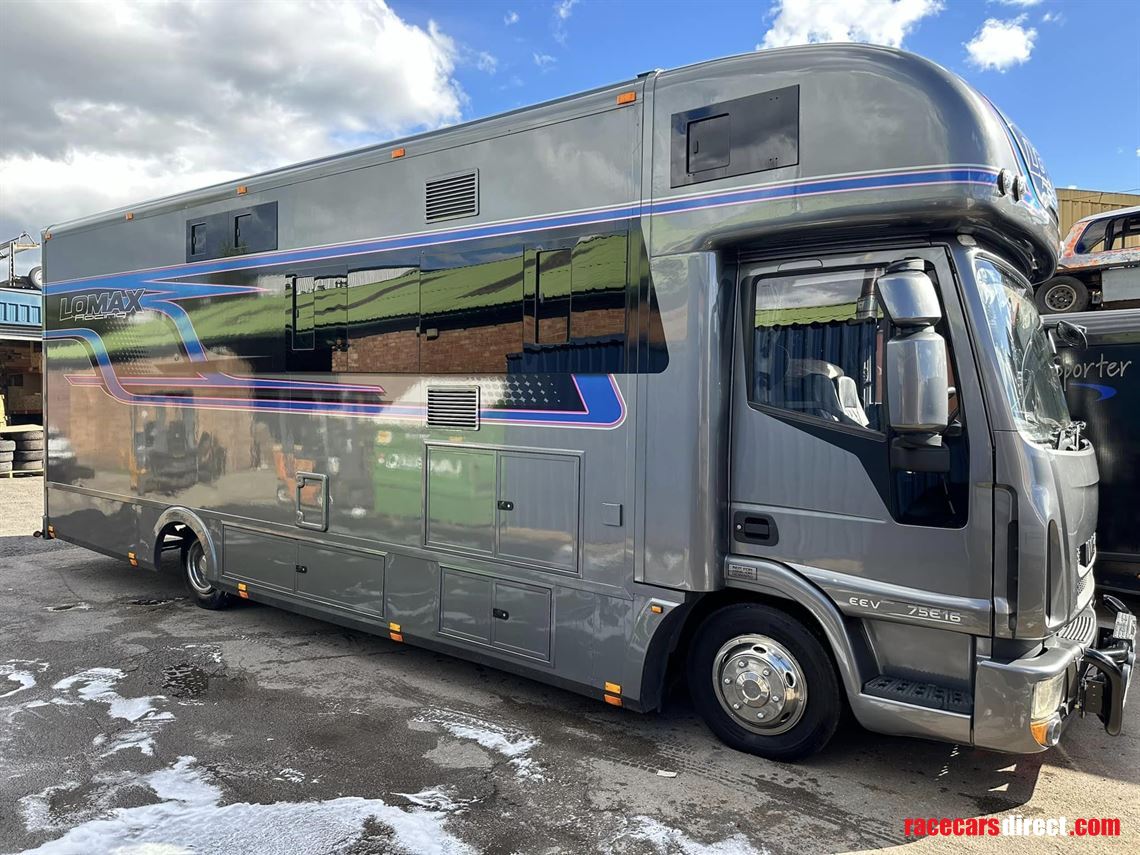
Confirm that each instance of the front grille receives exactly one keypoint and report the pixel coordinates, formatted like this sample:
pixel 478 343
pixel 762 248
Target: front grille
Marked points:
pixel 1082 629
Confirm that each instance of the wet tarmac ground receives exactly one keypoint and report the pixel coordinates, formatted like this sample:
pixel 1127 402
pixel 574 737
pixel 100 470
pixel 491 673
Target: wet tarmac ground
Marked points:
pixel 133 721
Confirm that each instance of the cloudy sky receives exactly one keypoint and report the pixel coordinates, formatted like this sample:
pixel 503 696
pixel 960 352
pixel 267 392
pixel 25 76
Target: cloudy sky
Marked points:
pixel 109 102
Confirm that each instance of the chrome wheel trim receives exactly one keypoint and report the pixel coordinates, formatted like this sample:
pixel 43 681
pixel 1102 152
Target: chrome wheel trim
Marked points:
pixel 1061 298
pixel 759 683
pixel 196 570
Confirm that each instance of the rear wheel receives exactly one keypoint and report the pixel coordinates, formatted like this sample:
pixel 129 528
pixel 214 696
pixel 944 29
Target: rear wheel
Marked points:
pixel 1061 294
pixel 763 683
pixel 194 568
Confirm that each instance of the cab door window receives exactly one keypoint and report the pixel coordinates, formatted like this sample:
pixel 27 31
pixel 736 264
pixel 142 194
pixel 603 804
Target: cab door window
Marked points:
pixel 817 346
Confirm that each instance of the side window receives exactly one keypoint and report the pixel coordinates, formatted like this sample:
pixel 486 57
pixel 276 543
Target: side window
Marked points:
pixel 552 296
pixel 817 346
pixel 317 309
pixel 1124 233
pixel 383 306
pixel 1092 239
pixel 471 312
pixel 576 309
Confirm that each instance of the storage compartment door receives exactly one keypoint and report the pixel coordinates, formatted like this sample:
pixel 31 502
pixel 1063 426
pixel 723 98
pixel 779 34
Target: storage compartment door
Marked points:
pixel 521 619
pixel 465 609
pixel 461 499
pixel 340 577
pixel 261 559
pixel 538 509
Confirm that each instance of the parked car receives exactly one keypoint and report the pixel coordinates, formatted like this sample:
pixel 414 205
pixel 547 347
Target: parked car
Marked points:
pixel 1099 264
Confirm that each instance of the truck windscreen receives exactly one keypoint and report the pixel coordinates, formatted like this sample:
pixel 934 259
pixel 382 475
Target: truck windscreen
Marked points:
pixel 1026 360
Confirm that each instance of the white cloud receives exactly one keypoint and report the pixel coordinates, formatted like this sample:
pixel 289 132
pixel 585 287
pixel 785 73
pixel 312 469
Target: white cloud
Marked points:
pixel 486 62
pixel 1023 3
pixel 562 11
pixel 544 60
pixel 1000 45
pixel 115 102
pixel 882 22
pixel 1052 18
pixel 512 17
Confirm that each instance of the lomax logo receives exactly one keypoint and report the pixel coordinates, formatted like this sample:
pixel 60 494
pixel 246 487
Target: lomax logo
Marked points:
pixel 102 304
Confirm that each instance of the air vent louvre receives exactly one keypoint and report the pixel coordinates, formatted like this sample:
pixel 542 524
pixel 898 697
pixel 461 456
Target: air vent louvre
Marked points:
pixel 453 407
pixel 450 197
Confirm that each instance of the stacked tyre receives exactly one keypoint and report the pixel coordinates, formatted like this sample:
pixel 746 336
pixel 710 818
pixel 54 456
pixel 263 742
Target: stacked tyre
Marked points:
pixel 22 452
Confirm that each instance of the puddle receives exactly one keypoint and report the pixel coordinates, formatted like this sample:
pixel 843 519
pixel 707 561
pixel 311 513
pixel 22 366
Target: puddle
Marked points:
pixel 160 601
pixel 185 680
pixel 67 607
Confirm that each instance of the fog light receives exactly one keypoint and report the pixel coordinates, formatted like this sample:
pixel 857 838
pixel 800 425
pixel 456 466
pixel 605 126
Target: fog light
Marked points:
pixel 1047 697
pixel 1047 733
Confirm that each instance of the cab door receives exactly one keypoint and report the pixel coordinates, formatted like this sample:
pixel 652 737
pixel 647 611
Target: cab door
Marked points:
pixel 817 481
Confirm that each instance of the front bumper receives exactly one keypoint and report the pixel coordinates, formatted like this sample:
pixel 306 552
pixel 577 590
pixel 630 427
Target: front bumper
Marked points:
pixel 1097 668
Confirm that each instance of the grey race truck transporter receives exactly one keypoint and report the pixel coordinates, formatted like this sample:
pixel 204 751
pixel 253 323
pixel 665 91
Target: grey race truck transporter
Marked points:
pixel 730 372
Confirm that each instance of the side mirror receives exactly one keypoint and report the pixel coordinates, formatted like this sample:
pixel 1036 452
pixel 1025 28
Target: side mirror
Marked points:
pixel 917 372
pixel 918 385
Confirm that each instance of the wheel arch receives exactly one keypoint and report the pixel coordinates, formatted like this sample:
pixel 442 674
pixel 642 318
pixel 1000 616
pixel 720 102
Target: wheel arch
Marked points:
pixel 776 586
pixel 179 516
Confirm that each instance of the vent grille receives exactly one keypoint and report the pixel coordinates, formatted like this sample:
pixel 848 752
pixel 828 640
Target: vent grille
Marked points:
pixel 453 407
pixel 450 197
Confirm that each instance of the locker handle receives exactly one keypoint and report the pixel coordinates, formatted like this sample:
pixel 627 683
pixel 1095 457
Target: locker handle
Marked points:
pixel 301 568
pixel 500 614
pixel 505 505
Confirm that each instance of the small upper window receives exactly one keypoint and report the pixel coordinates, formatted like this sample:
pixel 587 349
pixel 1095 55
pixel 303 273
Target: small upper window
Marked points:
pixel 241 230
pixel 817 346
pixel 1124 233
pixel 197 238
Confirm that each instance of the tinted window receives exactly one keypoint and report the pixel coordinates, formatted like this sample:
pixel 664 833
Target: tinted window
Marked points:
pixel 251 229
pixel 579 323
pixel 471 311
pixel 817 346
pixel 383 307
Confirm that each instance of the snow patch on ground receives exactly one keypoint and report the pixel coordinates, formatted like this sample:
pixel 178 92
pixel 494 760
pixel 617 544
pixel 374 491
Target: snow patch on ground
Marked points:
pixel 97 685
pixel 436 798
pixel 190 818
pixel 664 839
pixel 512 743
pixel 21 671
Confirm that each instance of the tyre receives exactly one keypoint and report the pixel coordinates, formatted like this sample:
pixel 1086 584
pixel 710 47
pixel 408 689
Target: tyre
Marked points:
pixel 7 445
pixel 29 445
pixel 5 465
pixel 194 569
pixel 1061 294
pixel 29 436
pixel 763 683
pixel 6 456
pixel 37 455
pixel 27 465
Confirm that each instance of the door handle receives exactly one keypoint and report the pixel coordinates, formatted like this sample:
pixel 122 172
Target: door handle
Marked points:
pixel 754 528
pixel 501 614
pixel 301 568
pixel 505 505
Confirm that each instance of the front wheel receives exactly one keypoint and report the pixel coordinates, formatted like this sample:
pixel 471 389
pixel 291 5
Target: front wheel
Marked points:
pixel 194 568
pixel 763 683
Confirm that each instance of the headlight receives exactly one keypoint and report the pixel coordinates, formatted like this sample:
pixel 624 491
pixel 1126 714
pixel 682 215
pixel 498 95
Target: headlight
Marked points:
pixel 1047 697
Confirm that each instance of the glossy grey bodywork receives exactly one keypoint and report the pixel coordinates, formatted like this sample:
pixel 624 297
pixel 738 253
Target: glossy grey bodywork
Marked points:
pixel 607 522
